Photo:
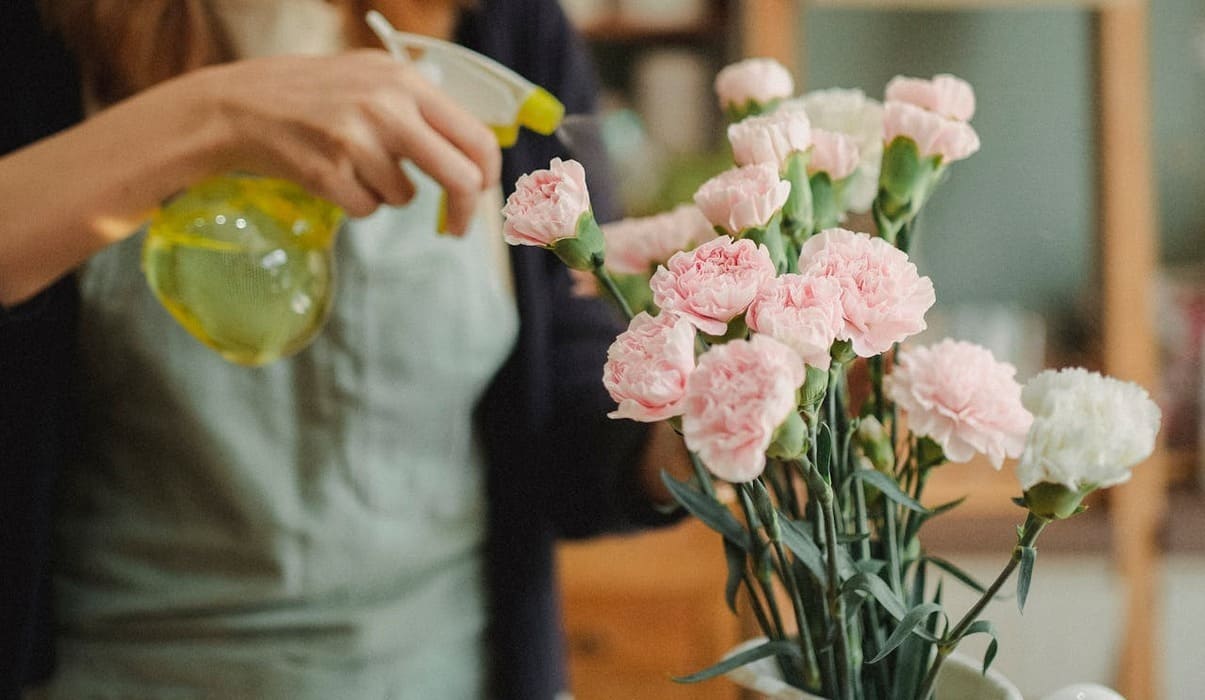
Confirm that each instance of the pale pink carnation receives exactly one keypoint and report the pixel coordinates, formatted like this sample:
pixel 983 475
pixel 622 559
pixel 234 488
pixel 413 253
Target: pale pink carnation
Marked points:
pixel 883 298
pixel 714 283
pixel 546 205
pixel 770 138
pixel 743 198
pixel 735 399
pixel 945 94
pixel 934 134
pixel 635 246
pixel 957 394
pixel 647 367
pixel 802 312
pixel 833 153
pixel 759 80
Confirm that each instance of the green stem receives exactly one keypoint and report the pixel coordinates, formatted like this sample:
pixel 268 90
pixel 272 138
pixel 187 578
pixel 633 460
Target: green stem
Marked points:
pixel 759 611
pixel 789 671
pixel 1033 527
pixel 836 604
pixel 811 672
pixel 869 611
pixel 603 276
pixel 875 365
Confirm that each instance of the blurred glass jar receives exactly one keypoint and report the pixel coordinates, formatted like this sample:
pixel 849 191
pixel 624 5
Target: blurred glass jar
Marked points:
pixel 245 264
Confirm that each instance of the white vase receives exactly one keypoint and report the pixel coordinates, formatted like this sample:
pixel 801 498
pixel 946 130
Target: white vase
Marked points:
pixel 960 678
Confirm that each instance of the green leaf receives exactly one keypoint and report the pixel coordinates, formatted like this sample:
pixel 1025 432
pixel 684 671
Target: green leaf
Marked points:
pixel 777 647
pixel 950 568
pixel 796 537
pixel 984 627
pixel 863 584
pixel 1028 556
pixel 946 507
pixel 735 557
pixel 870 566
pixel 913 619
pixel 890 488
pixel 915 651
pixel 852 537
pixel 711 512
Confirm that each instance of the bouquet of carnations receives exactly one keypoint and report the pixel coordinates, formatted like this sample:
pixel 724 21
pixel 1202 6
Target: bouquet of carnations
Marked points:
pixel 747 312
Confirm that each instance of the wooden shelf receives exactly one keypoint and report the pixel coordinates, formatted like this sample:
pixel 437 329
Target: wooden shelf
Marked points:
pixel 639 609
pixel 618 29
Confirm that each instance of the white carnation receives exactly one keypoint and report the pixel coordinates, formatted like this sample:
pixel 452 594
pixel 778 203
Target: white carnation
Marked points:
pixel 1088 430
pixel 851 113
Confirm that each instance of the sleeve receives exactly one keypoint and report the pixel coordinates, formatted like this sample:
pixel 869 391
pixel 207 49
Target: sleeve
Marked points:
pixel 586 467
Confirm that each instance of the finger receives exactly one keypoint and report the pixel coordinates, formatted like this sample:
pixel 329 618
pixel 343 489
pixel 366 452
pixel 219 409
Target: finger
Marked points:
pixel 379 171
pixel 462 130
pixel 459 176
pixel 323 172
pixel 340 184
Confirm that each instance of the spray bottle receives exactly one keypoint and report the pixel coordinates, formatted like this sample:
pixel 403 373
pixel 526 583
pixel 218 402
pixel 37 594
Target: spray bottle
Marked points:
pixel 246 263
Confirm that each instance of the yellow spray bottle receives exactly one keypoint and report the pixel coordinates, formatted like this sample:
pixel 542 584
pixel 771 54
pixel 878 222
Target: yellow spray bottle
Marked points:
pixel 246 263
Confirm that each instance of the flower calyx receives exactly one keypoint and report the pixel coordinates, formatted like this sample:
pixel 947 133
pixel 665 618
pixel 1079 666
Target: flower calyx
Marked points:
pixel 1051 501
pixel 585 250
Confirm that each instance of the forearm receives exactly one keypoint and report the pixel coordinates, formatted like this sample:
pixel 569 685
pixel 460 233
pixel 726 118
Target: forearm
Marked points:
pixel 67 196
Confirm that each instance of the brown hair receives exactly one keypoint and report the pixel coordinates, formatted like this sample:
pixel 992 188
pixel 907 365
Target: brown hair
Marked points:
pixel 124 46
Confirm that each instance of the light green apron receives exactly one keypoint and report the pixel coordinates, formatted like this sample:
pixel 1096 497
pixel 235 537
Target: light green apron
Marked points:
pixel 309 529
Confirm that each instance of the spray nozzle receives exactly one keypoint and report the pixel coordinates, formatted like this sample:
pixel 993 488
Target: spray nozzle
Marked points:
pixel 493 93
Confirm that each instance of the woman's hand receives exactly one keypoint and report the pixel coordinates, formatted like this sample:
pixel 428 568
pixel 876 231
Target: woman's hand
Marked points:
pixel 337 125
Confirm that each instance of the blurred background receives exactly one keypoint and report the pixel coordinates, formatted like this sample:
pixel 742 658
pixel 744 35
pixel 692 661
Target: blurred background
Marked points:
pixel 1075 237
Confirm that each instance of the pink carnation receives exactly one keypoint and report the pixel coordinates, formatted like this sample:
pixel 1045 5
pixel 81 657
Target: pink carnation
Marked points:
pixel 735 399
pixel 833 153
pixel 802 312
pixel 546 205
pixel 714 283
pixel 883 298
pixel 647 367
pixel 934 134
pixel 945 94
pixel 759 80
pixel 957 394
pixel 636 246
pixel 743 198
pixel 770 138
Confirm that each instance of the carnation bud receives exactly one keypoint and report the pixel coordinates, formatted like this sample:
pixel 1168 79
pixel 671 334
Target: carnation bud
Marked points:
pixel 797 218
pixel 905 177
pixel 815 386
pixel 876 444
pixel 843 352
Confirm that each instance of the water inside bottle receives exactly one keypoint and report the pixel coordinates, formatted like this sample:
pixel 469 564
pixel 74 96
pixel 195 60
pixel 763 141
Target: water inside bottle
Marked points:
pixel 245 264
